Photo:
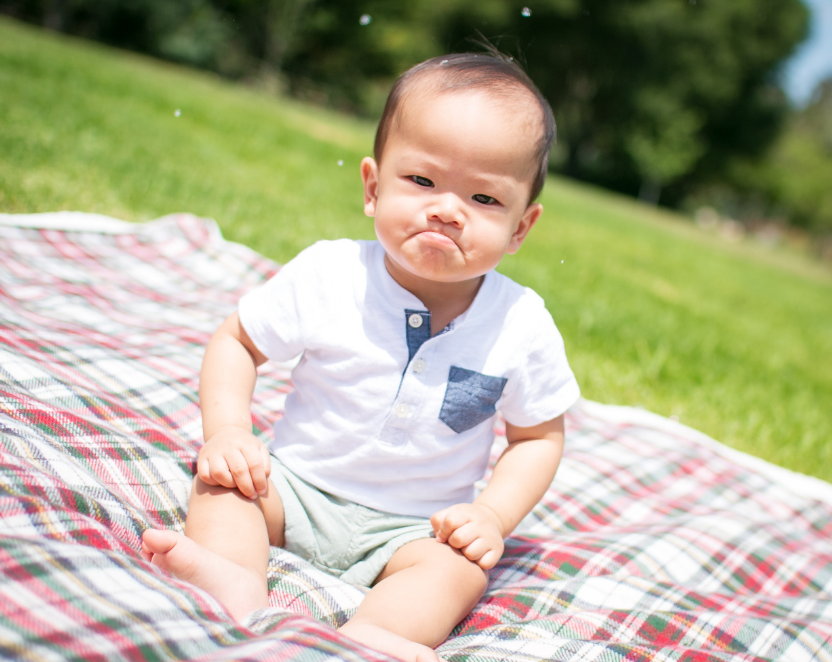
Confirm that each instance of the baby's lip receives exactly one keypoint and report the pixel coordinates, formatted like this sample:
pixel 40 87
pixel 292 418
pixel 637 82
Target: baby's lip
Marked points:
pixel 436 234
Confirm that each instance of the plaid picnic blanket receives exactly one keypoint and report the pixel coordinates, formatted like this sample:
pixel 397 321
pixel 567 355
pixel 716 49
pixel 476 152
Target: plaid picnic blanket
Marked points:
pixel 653 543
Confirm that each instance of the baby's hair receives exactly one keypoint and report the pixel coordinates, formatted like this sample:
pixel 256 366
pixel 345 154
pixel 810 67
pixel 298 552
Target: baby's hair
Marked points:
pixel 493 72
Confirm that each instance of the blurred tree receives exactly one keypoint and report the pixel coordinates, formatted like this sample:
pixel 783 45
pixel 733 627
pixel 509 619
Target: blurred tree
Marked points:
pixel 282 24
pixel 648 93
pixel 663 140
pixel 792 184
pixel 349 51
pixel 816 118
pixel 195 32
pixel 800 177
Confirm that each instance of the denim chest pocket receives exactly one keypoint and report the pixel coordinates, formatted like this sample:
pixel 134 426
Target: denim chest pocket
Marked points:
pixel 470 398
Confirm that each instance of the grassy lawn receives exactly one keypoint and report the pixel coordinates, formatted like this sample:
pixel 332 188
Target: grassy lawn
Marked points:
pixel 734 339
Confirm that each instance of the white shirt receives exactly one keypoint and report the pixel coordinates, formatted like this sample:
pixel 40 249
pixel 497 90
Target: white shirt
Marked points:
pixel 382 414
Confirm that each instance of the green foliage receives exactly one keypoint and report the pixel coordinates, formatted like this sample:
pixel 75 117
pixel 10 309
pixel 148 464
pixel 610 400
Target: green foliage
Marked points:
pixel 351 65
pixel 816 118
pixel 661 91
pixel 801 181
pixel 664 143
pixel 793 183
pixel 731 338
pixel 195 32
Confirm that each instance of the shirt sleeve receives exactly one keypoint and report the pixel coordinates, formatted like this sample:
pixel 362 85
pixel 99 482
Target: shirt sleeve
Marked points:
pixel 270 313
pixel 543 386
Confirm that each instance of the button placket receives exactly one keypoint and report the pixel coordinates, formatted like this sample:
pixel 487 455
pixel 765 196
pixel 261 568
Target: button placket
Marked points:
pixel 413 392
pixel 402 410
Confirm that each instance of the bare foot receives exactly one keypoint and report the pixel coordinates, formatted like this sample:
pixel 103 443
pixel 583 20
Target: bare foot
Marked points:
pixel 388 642
pixel 240 590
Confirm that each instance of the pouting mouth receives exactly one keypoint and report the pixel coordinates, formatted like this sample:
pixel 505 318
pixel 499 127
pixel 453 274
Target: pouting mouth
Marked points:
pixel 436 235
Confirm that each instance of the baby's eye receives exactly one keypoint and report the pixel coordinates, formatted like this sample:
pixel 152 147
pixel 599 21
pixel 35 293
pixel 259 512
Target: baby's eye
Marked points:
pixel 485 199
pixel 421 181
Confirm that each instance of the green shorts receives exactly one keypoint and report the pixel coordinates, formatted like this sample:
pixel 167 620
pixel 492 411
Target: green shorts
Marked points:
pixel 340 537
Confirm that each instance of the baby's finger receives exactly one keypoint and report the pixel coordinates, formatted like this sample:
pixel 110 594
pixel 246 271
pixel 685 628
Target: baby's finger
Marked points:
pixel 489 559
pixel 464 535
pixel 216 472
pixel 256 469
pixel 238 466
pixel 454 519
pixel 475 551
pixel 203 470
pixel 267 460
pixel 220 472
pixel 436 521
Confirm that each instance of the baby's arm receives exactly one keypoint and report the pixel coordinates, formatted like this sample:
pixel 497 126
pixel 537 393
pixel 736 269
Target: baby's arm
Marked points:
pixel 520 479
pixel 232 456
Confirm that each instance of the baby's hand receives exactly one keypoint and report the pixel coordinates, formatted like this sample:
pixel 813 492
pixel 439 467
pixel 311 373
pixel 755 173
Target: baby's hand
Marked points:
pixel 235 458
pixel 473 529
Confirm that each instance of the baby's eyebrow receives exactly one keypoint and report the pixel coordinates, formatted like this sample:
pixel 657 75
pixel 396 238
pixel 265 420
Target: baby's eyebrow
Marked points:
pixel 490 179
pixel 416 162
pixel 493 182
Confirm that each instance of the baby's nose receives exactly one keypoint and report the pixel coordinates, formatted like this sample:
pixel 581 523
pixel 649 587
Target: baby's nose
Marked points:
pixel 448 209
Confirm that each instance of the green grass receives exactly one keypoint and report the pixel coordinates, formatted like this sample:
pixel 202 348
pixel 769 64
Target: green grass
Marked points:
pixel 734 339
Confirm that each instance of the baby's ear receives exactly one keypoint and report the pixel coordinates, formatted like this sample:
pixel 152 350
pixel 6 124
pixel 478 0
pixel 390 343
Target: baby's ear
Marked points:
pixel 369 175
pixel 530 216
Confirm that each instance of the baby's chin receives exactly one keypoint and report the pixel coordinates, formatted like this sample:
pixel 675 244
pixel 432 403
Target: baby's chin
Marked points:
pixel 442 274
pixel 444 264
pixel 440 263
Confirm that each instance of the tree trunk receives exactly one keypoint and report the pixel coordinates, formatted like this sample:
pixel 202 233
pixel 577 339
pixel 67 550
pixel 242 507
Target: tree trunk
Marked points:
pixel 282 20
pixel 650 191
pixel 53 15
pixel 573 167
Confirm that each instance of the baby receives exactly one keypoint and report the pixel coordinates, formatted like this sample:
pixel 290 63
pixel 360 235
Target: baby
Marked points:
pixel 408 347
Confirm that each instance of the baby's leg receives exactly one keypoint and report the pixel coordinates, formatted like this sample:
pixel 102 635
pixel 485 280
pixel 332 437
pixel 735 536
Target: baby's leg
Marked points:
pixel 226 551
pixel 425 590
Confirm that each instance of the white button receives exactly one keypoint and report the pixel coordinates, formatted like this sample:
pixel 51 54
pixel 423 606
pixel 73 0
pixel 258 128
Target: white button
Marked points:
pixel 418 365
pixel 402 411
pixel 415 320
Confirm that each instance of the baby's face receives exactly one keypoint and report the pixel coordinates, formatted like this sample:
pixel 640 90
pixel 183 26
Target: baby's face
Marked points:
pixel 450 196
